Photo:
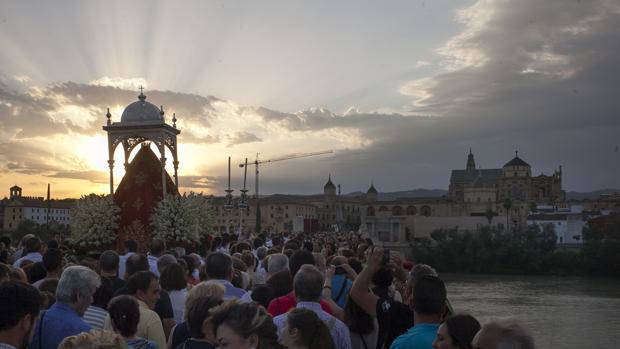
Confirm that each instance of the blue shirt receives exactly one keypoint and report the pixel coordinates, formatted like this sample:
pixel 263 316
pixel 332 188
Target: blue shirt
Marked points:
pixel 231 292
pixel 59 322
pixel 338 330
pixel 420 336
pixel 340 283
pixel 32 256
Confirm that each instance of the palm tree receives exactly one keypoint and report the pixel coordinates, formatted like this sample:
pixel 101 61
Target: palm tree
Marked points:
pixel 507 207
pixel 489 214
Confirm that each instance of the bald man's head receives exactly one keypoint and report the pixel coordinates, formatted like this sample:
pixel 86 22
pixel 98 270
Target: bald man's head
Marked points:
pixel 504 333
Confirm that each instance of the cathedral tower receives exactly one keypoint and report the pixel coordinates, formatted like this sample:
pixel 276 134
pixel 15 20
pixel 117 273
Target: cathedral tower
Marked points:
pixel 471 164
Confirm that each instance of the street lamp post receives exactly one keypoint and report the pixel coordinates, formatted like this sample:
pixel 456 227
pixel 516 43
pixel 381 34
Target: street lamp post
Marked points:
pixel 228 205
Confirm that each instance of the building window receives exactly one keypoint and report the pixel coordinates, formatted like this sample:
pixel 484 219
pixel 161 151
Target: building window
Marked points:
pixel 397 211
pixel 425 211
pixel 370 211
pixel 411 211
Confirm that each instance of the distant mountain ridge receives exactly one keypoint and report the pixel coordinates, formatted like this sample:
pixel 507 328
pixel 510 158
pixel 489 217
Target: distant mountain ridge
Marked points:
pixel 575 195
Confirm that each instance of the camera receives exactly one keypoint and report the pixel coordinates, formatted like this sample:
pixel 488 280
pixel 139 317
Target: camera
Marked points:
pixel 386 257
pixel 340 270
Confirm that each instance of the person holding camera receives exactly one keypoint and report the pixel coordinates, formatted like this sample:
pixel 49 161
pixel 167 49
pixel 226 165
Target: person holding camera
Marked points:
pixel 341 281
pixel 394 317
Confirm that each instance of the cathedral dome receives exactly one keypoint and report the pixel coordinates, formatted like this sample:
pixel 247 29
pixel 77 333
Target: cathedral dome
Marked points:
pixel 142 112
pixel 372 189
pixel 517 161
pixel 329 184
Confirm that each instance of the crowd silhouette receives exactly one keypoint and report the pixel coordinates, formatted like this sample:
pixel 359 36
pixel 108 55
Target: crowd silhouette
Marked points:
pixel 321 290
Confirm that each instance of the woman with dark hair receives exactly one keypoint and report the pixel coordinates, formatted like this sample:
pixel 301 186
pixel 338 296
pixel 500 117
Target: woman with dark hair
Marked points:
pixel 191 267
pixel 304 329
pixel 36 272
pixel 244 326
pixel 173 280
pixel 201 334
pixel 457 332
pixel 363 328
pixel 124 317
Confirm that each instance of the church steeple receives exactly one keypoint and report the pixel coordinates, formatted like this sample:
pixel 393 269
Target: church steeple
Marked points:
pixel 471 164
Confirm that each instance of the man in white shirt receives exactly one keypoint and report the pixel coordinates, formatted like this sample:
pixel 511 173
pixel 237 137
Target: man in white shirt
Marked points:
pixel 156 248
pixel 131 247
pixel 32 252
pixel 308 284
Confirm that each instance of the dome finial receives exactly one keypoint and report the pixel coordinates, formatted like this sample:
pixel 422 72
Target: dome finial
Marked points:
pixel 108 115
pixel 161 110
pixel 141 96
pixel 174 120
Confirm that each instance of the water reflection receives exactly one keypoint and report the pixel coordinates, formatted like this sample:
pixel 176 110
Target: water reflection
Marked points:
pixel 561 312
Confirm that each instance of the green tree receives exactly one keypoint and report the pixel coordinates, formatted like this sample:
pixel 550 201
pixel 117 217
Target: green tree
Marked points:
pixel 489 214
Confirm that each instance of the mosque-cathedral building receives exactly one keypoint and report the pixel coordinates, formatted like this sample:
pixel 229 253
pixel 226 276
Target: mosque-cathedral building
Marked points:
pixel 475 197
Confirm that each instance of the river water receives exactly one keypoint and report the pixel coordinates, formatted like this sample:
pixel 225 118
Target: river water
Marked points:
pixel 560 312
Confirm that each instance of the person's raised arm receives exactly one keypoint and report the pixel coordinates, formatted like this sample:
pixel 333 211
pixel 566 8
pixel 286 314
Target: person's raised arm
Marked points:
pixel 359 291
pixel 327 294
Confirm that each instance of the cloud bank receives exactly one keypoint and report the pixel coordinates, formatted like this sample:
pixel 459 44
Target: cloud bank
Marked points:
pixel 535 76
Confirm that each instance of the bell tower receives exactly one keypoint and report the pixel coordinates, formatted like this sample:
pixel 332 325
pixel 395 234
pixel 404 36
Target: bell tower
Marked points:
pixel 471 164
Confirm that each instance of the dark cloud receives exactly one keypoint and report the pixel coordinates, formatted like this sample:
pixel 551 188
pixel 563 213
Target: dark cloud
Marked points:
pixel 242 137
pixel 92 176
pixel 24 115
pixel 538 76
pixel 26 158
pixel 529 75
pixel 189 108
pixel 315 119
pixel 198 182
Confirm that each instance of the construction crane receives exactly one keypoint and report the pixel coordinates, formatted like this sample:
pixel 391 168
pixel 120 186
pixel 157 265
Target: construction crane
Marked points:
pixel 257 162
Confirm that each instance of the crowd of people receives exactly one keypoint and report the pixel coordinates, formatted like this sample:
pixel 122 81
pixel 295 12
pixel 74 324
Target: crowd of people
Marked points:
pixel 322 290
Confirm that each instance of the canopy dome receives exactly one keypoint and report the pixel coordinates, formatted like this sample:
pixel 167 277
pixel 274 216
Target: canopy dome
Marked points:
pixel 142 112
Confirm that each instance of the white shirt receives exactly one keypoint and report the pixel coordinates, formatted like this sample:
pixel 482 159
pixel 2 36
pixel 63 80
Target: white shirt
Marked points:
pixel 122 264
pixel 153 265
pixel 177 298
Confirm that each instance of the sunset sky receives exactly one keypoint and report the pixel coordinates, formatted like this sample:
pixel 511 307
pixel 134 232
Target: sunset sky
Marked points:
pixel 400 90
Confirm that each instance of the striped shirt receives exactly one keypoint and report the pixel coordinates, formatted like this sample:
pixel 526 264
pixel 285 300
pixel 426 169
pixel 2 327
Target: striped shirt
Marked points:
pixel 95 317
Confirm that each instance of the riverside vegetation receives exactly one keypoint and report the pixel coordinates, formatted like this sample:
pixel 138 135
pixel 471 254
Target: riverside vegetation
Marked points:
pixel 528 250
